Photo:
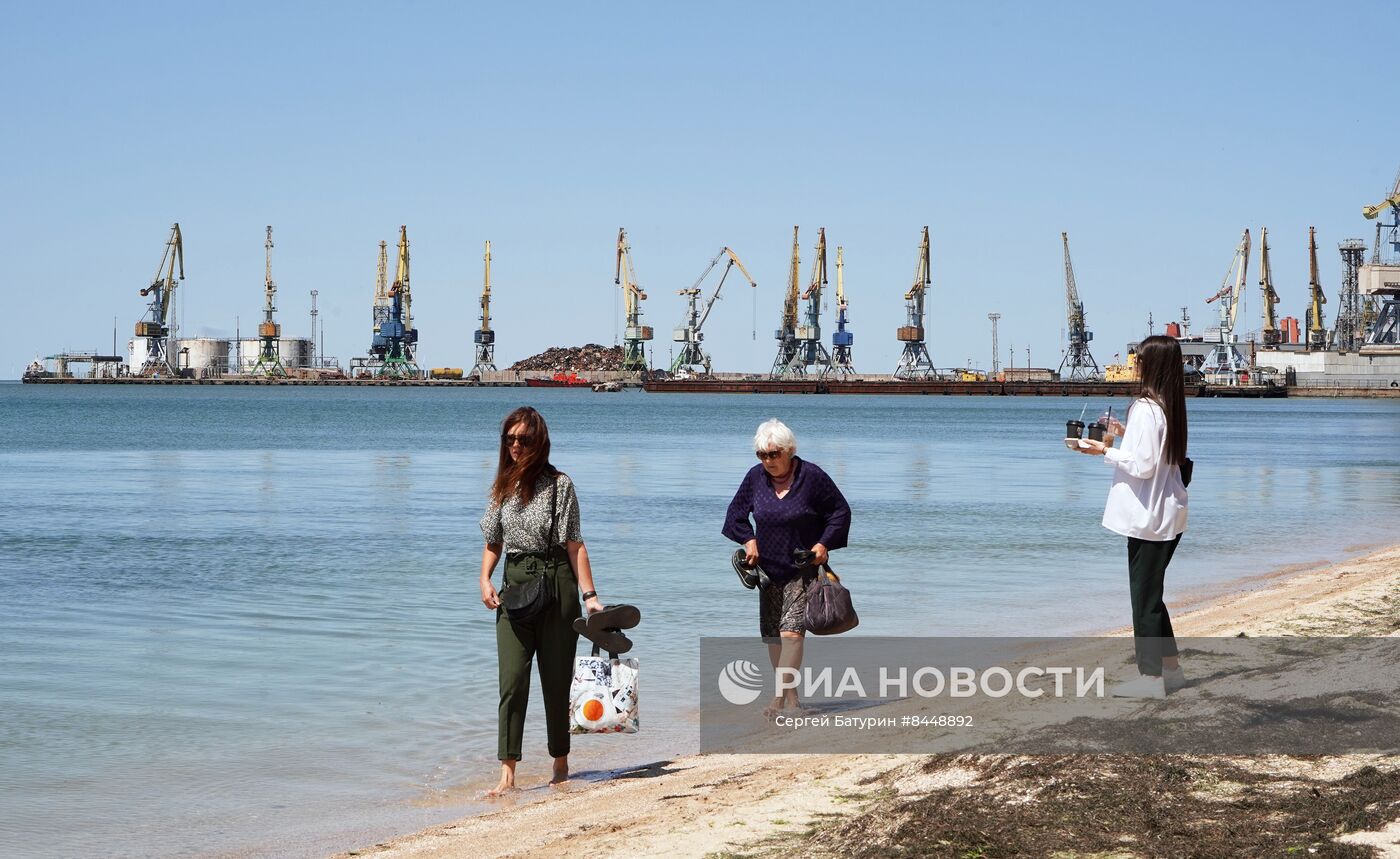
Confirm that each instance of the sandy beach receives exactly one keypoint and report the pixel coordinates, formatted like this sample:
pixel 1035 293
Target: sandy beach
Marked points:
pixel 993 805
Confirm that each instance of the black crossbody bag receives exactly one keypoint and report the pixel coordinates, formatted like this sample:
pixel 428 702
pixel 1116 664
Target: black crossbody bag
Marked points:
pixel 1187 466
pixel 525 600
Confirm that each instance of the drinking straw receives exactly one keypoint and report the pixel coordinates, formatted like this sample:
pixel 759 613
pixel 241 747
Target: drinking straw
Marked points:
pixel 1082 411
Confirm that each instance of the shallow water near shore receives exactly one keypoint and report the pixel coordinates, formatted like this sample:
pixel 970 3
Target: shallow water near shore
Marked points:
pixel 247 621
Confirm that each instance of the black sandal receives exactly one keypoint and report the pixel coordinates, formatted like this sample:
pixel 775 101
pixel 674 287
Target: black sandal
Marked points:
pixel 751 577
pixel 621 616
pixel 604 627
pixel 610 640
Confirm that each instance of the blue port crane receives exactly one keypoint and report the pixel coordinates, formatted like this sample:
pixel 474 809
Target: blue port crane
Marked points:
pixel 396 339
pixel 841 339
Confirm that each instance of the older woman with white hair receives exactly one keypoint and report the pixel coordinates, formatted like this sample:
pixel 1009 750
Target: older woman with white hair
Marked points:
pixel 794 505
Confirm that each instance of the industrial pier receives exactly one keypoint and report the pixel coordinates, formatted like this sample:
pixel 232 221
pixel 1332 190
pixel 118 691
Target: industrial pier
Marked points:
pixel 939 387
pixel 1358 356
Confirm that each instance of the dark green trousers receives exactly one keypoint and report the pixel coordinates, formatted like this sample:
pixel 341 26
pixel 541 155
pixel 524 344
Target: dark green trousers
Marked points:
pixel 1152 626
pixel 548 637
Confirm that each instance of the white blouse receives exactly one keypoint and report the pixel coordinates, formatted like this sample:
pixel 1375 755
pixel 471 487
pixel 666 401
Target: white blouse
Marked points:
pixel 1147 499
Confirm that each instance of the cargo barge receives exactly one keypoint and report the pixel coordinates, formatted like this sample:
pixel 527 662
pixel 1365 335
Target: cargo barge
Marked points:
pixel 940 387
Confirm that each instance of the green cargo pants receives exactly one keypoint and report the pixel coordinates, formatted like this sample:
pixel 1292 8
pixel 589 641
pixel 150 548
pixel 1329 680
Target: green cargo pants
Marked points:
pixel 551 636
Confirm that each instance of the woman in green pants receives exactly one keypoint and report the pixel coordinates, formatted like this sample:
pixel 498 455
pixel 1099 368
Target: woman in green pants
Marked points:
pixel 533 517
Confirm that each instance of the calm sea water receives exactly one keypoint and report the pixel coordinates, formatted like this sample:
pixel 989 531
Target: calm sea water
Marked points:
pixel 246 621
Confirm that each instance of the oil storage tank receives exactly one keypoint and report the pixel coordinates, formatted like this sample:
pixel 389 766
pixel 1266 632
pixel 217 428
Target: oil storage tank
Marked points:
pixel 205 357
pixel 295 353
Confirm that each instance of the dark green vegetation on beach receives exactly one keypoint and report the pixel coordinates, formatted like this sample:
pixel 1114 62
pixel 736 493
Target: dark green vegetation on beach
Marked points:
pixel 1121 806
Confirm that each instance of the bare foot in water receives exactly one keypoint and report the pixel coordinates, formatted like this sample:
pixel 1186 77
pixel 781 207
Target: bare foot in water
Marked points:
pixel 789 705
pixel 560 775
pixel 507 784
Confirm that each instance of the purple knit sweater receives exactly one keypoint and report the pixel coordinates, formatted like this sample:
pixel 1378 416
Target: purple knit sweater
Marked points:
pixel 813 511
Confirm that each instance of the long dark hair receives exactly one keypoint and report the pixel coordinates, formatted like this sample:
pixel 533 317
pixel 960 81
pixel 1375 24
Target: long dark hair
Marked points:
pixel 1163 382
pixel 519 478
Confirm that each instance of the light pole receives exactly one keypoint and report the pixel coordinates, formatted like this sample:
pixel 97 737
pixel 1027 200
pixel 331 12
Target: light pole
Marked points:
pixel 996 355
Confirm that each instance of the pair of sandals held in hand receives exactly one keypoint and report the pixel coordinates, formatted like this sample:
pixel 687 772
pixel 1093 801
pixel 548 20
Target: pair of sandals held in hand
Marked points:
pixel 604 628
pixel 754 576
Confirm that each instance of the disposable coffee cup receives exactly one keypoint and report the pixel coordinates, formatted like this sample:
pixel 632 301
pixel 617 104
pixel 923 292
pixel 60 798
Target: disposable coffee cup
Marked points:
pixel 1096 431
pixel 1074 429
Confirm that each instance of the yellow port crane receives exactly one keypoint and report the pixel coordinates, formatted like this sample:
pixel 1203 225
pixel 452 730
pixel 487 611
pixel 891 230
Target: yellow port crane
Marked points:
pixel 269 361
pixel 635 335
pixel 786 335
pixel 1392 202
pixel 693 357
pixel 915 362
pixel 1317 331
pixel 157 328
pixel 1269 333
pixel 485 338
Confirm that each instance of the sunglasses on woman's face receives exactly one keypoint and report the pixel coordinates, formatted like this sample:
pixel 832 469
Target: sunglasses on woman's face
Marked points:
pixel 524 439
pixel 766 455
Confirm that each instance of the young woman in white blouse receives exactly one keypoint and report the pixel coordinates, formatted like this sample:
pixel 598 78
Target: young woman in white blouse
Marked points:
pixel 1147 504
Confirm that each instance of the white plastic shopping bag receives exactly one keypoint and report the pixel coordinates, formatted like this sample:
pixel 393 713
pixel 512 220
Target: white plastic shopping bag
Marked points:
pixel 603 696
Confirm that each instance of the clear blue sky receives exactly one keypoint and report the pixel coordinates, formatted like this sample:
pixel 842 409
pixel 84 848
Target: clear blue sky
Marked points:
pixel 1152 134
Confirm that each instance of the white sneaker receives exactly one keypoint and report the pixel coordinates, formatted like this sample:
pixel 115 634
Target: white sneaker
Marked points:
pixel 1143 687
pixel 1174 678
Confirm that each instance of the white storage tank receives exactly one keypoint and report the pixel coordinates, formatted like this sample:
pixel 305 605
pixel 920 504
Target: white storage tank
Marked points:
pixel 206 356
pixel 135 354
pixel 295 352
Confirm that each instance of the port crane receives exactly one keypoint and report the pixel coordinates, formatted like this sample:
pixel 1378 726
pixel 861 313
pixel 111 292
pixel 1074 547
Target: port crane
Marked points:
pixel 786 335
pixel 1317 330
pixel 841 339
pixel 269 361
pixel 635 335
pixel 1078 359
pixel 693 357
pixel 397 339
pixel 1225 360
pixel 1381 325
pixel 807 349
pixel 915 362
pixel 485 338
pixel 381 297
pixel 811 350
pixel 1392 203
pixel 1269 333
pixel 157 327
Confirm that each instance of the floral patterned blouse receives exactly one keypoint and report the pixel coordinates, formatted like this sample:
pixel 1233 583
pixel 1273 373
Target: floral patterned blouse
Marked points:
pixel 526 528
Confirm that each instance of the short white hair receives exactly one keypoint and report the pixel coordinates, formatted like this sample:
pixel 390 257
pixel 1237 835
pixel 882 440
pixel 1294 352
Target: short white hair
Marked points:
pixel 774 433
